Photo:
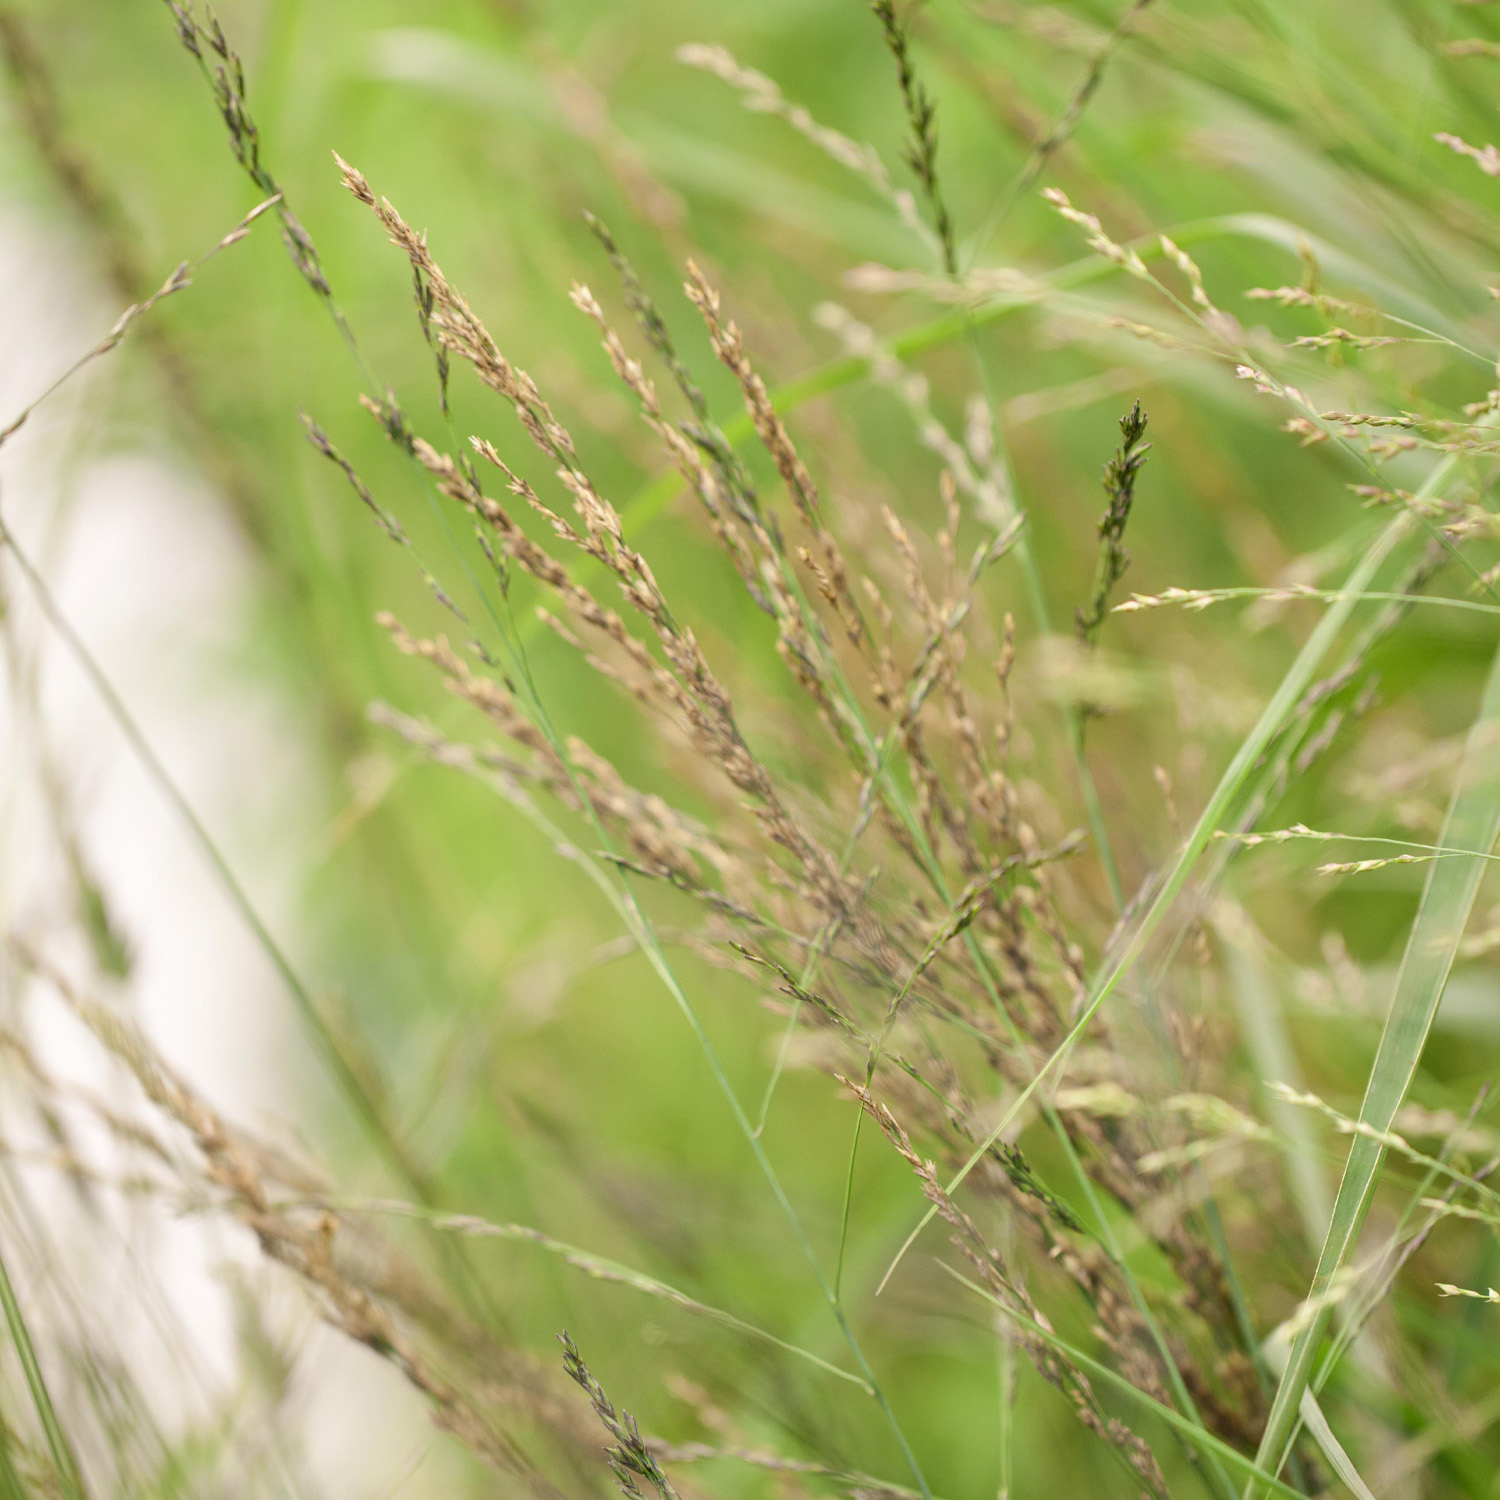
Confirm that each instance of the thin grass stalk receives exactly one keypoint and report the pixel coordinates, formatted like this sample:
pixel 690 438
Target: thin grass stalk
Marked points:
pixel 11 1487
pixel 227 81
pixel 642 930
pixel 932 869
pixel 1274 770
pixel 1099 1371
pixel 878 769
pixel 1392 1261
pixel 1042 614
pixel 63 1461
pixel 1059 133
pixel 597 1266
pixel 343 1071
pixel 1293 684
pixel 1264 1028
pixel 653 499
pixel 618 893
pixel 1447 900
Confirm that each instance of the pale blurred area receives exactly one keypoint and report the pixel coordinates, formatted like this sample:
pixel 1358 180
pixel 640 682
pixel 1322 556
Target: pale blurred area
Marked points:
pixel 145 563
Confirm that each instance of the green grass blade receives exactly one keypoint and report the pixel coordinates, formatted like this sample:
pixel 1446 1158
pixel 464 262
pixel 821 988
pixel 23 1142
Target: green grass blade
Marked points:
pixel 1263 1026
pixel 57 1442
pixel 599 1267
pixel 1447 900
pixel 11 1487
pixel 1330 1447
pixel 622 900
pixel 1274 716
pixel 1095 1370
pixel 1322 1434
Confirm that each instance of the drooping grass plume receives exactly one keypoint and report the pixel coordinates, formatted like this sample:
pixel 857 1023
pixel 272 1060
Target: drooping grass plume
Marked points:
pixel 208 44
pixel 629 1458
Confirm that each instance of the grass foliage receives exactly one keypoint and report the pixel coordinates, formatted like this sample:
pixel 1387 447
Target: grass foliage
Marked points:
pixel 920 949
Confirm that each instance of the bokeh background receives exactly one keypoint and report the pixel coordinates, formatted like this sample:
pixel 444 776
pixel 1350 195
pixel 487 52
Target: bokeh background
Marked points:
pixel 228 580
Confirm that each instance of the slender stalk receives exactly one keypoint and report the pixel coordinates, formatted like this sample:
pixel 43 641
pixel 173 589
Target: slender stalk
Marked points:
pixel 57 1443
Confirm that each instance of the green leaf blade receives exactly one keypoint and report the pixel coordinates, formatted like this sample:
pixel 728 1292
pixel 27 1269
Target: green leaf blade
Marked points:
pixel 1473 822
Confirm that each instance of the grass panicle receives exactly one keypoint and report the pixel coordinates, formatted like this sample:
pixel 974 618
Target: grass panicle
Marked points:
pixel 1120 475
pixel 921 118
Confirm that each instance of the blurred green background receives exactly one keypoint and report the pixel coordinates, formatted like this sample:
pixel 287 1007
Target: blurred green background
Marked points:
pixel 534 1067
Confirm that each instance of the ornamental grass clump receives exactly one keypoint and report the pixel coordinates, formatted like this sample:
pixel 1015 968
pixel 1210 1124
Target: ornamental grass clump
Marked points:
pixel 856 796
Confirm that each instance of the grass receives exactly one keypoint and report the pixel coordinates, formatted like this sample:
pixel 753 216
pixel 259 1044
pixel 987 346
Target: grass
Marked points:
pixel 726 693
pixel 1448 899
